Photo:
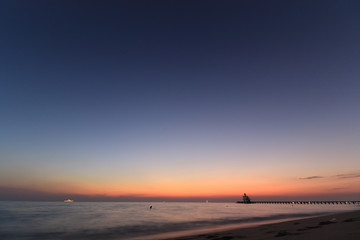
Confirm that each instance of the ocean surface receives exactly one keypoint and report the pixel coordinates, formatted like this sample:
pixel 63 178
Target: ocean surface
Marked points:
pixel 135 220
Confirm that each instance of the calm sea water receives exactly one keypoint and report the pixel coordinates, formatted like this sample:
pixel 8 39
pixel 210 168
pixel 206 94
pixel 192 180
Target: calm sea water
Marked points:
pixel 118 220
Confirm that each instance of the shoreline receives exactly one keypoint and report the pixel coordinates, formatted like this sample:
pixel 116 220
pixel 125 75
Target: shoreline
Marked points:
pixel 344 225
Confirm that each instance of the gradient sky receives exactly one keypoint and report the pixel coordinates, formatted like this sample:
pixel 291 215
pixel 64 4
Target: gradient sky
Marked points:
pixel 179 99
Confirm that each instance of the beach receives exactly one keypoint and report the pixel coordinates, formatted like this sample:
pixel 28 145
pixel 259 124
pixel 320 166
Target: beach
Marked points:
pixel 334 226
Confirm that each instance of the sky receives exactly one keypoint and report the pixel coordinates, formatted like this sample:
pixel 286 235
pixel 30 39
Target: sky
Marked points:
pixel 182 100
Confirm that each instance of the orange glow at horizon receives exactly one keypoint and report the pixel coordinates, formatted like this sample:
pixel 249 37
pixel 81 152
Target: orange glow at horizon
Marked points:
pixel 215 188
pixel 195 180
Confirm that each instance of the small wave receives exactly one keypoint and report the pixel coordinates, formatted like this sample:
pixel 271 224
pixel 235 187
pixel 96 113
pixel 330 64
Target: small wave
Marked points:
pixel 154 231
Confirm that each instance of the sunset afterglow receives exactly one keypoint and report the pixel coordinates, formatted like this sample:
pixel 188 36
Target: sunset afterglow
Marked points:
pixel 167 102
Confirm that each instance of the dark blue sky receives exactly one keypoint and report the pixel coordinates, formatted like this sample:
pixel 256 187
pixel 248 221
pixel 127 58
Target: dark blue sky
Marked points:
pixel 177 52
pixel 79 75
pixel 177 55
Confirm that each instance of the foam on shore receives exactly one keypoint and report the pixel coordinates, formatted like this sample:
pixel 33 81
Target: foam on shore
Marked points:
pixel 335 226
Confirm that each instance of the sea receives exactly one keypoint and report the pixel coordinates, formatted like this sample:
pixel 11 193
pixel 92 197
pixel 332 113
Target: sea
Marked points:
pixel 137 221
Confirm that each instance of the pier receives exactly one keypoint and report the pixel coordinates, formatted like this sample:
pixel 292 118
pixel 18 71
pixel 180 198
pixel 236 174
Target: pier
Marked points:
pixel 301 202
pixel 246 200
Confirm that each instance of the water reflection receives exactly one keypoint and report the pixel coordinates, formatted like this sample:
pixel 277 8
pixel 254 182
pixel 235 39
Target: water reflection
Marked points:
pixel 50 220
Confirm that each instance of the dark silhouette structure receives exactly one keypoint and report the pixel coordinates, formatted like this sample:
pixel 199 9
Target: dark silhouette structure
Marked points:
pixel 304 202
pixel 246 199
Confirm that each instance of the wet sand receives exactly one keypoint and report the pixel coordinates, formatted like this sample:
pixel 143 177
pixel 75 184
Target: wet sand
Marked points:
pixel 330 227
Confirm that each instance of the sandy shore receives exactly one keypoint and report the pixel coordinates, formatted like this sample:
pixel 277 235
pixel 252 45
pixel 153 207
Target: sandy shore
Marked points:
pixel 337 226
